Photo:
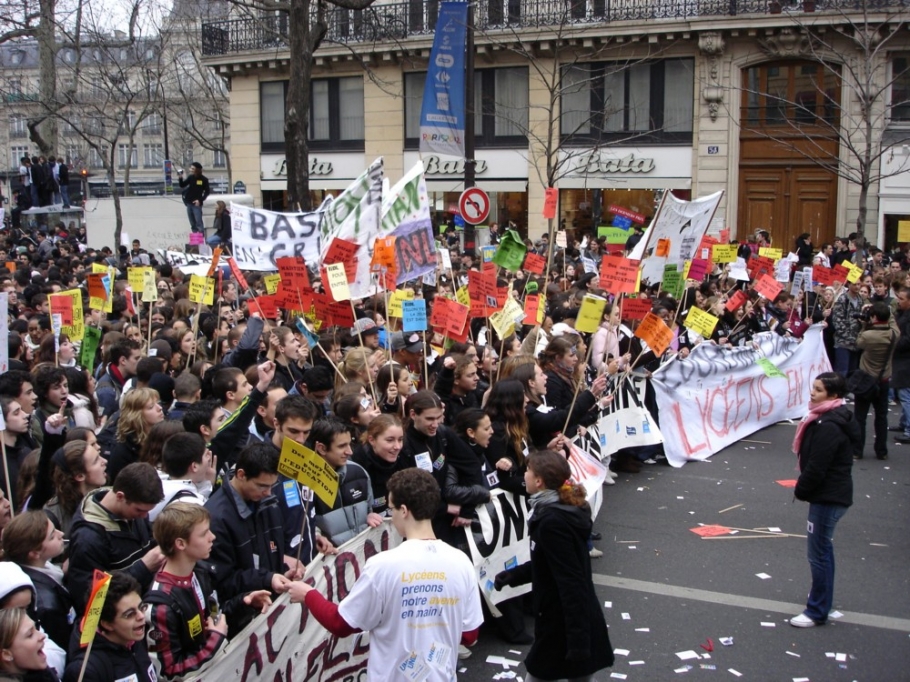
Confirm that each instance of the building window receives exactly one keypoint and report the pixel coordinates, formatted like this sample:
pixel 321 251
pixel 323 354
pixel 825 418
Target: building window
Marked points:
pixel 500 107
pixel 17 125
pixel 73 156
pixel 219 159
pixel 336 114
pixel 152 124
pixel 646 101
pixel 790 95
pixel 152 155
pixel 127 154
pixel 15 156
pixel 900 88
pixel 94 159
pixel 14 88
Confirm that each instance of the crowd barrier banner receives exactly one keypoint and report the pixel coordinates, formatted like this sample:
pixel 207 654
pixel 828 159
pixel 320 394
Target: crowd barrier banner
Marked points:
pixel 589 472
pixel 261 236
pixel 718 395
pixel 287 644
pixel 500 543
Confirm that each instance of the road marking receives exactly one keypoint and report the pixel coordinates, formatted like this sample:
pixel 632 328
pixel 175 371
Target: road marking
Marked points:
pixel 867 619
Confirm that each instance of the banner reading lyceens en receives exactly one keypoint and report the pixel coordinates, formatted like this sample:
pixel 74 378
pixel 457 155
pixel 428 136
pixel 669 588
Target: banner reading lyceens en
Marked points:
pixel 442 116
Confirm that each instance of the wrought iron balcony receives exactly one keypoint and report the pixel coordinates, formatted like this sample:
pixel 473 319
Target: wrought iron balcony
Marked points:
pixel 397 21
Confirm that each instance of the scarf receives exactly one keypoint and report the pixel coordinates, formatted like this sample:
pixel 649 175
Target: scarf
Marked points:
pixel 814 413
pixel 542 499
pixel 52 571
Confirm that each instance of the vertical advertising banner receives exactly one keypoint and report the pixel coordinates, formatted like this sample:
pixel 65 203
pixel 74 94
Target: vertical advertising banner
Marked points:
pixel 442 116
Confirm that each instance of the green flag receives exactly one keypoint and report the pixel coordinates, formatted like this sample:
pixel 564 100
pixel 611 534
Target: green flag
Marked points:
pixel 90 343
pixel 511 252
pixel 769 369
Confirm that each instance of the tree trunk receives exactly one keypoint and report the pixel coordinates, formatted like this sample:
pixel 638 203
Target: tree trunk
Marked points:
pixel 47 78
pixel 297 113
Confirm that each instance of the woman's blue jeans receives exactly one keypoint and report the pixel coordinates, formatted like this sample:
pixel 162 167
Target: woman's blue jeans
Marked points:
pixel 823 519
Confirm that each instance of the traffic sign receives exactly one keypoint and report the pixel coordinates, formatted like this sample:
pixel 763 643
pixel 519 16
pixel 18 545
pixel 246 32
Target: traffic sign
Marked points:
pixel 474 205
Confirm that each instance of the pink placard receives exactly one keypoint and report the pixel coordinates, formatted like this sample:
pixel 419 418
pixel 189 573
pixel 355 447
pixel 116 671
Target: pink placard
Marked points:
pixel 196 238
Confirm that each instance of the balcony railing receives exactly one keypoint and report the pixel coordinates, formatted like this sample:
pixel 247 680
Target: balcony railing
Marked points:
pixel 396 21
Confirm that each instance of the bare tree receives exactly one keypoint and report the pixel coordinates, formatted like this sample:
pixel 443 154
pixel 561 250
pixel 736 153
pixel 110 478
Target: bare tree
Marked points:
pixel 852 52
pixel 304 23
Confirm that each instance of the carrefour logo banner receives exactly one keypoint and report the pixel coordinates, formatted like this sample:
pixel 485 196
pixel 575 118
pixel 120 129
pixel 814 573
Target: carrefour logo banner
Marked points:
pixel 442 116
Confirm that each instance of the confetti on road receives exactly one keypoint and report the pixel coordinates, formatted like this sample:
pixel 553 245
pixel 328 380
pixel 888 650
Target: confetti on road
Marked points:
pixel 790 653
pixel 763 576
pixel 769 625
pixel 687 655
pixel 731 670
pixel 621 652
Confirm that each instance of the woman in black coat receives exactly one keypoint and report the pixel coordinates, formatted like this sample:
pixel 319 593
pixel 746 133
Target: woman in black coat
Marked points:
pixel 825 441
pixel 570 633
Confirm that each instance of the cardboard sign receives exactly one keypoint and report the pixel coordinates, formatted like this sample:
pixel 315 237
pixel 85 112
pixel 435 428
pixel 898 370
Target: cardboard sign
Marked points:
pixel 267 306
pixel 149 288
pixel 551 198
pixel 216 256
pixel 202 289
pixel 724 253
pixel 136 277
pixel 699 321
pixel 591 313
pixel 655 332
pixel 535 263
pixel 414 315
pixel 90 343
pixel 635 308
pixel 307 468
pixel 337 280
pixel 560 239
pixel 736 301
pixel 196 238
pixel 768 287
pixel 619 275
pixel 341 251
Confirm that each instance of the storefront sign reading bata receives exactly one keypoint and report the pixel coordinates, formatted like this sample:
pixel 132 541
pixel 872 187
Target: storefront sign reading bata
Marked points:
pixel 434 166
pixel 596 162
pixel 317 167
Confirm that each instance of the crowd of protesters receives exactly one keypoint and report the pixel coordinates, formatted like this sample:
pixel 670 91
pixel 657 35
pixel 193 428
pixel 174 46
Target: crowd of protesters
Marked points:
pixel 156 459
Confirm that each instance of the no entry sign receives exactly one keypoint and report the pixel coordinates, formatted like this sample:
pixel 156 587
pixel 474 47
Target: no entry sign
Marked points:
pixel 474 205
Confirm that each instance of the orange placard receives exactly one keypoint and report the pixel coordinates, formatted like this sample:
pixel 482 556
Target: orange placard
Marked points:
pixel 768 287
pixel 663 248
pixel 383 255
pixel 216 255
pixel 96 288
pixel 655 332
pixel 711 531
pixel 619 275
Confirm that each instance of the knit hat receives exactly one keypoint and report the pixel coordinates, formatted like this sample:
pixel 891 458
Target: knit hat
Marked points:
pixel 162 349
pixel 364 326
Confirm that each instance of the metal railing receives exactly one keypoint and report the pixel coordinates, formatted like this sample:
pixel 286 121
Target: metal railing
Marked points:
pixel 397 21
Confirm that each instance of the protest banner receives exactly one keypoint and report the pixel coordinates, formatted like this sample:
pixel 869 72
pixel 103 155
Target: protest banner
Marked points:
pixel 588 472
pixel 719 395
pixel 406 216
pixel 307 468
pixel 500 543
pixel 287 643
pixel 684 223
pixel 260 237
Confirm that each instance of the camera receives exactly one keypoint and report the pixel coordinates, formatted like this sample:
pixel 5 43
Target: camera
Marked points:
pixel 864 316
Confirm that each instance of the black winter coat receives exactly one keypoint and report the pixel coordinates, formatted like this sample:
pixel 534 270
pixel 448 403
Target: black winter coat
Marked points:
pixel 570 633
pixel 826 459
pixel 900 363
pixel 109 661
pixel 53 606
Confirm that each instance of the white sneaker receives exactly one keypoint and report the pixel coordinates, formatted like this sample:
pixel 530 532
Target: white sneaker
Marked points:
pixel 595 553
pixel 802 621
pixel 608 480
pixel 612 474
pixel 463 652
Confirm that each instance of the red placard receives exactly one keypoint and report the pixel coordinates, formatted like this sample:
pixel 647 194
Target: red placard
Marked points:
pixel 339 313
pixel 532 305
pixel 63 306
pixel 293 272
pixel 551 197
pixel 456 324
pixel 736 301
pixel 268 306
pixel 235 270
pixel 725 236
pixel 626 213
pixel 96 288
pixel 440 312
pixel 481 285
pixel 618 275
pixel 823 275
pixel 535 263
pixel 698 269
pixel 840 273
pixel 759 266
pixel 768 287
pixel 635 308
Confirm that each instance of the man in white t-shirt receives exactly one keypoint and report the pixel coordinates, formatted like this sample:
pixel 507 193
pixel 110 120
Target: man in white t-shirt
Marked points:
pixel 418 600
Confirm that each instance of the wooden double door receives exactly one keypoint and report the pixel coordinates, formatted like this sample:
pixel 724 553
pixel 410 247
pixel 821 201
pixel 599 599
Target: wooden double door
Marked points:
pixel 787 199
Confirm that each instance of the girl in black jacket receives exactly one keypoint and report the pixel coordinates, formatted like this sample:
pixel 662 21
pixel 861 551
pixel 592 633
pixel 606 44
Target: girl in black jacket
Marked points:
pixel 508 449
pixel 379 457
pixel 570 633
pixel 825 441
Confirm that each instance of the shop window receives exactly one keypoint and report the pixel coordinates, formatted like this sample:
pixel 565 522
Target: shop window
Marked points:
pixel 791 94
pixel 616 101
pixel 900 88
pixel 336 114
pixel 500 107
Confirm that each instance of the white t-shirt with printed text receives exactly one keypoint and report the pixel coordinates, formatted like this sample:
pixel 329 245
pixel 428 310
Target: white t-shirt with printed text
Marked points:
pixel 416 600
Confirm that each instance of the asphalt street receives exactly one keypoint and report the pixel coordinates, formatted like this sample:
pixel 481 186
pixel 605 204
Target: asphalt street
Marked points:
pixel 665 590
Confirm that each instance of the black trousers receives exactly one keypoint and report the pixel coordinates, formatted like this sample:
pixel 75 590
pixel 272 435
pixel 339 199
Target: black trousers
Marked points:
pixel 879 403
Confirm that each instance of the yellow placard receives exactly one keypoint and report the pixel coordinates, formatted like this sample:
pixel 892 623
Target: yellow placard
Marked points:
pixel 99 268
pixel 338 282
pixel 395 300
pixel 855 273
pixel 463 296
pixel 93 614
pixel 699 321
pixel 307 468
pixel 686 267
pixel 903 231
pixel 271 283
pixel 503 321
pixel 149 288
pixel 768 252
pixel 202 289
pixel 590 314
pixel 724 253
pixel 136 277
